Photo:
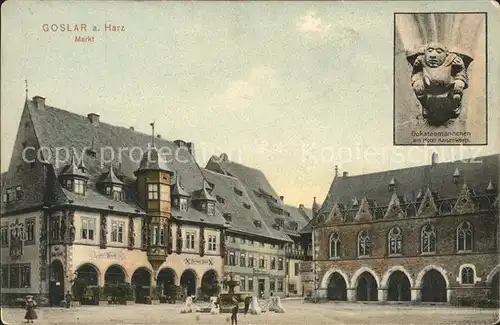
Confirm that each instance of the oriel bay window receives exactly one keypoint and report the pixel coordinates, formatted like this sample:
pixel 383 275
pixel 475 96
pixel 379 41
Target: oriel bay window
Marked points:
pixel 158 235
pixel 153 192
pixel 164 192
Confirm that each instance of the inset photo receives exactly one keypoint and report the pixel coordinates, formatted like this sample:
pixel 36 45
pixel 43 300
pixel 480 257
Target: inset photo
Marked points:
pixel 440 79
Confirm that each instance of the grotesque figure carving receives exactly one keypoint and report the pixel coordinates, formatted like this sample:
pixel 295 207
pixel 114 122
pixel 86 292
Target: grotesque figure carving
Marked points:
pixel 131 233
pixel 72 230
pixel 104 230
pixel 169 238
pixel 223 243
pixel 439 78
pixel 202 241
pixel 145 234
pixel 179 240
pixel 62 232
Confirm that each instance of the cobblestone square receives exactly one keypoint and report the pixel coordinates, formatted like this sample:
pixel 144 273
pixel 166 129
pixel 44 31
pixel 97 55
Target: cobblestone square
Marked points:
pixel 297 313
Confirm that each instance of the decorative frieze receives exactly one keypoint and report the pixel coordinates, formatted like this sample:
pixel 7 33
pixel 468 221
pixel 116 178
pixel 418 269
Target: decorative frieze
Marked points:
pixel 72 229
pixel 145 234
pixel 169 238
pixel 223 243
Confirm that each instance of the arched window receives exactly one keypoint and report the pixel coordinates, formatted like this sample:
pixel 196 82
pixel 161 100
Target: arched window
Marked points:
pixel 364 245
pixel 428 239
pixel 464 237
pixel 334 245
pixel 467 275
pixel 395 241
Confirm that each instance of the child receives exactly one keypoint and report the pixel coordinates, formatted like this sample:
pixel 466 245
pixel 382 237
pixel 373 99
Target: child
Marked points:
pixel 30 309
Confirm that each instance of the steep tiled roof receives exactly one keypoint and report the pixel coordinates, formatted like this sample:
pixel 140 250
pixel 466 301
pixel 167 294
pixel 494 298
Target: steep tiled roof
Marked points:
pixel 262 194
pixel 476 173
pixel 243 211
pixel 57 128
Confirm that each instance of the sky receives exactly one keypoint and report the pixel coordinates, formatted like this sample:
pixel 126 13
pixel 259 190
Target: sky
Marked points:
pixel 290 88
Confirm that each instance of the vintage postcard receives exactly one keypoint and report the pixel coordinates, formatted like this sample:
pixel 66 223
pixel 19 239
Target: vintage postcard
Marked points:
pixel 440 78
pixel 250 162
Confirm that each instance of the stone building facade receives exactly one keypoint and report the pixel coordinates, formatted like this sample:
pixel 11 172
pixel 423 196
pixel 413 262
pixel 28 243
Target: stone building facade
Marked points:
pixel 86 199
pixel 427 233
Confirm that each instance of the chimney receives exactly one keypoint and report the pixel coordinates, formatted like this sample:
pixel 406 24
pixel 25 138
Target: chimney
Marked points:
pixel 434 158
pixel 345 174
pixel 190 147
pixel 282 198
pixel 158 136
pixel 131 128
pixel 93 118
pixel 39 102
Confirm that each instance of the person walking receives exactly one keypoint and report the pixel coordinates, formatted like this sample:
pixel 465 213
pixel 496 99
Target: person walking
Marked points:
pixel 248 300
pixel 30 309
pixel 234 311
pixel 68 299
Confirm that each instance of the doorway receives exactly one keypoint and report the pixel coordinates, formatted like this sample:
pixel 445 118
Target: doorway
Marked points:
pixel 262 287
pixel 56 283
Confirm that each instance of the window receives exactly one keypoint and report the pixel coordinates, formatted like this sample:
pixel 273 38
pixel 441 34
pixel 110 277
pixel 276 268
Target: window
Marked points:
pixel 14 276
pixel 467 275
pixel 4 236
pixel 11 195
pixel 152 191
pixel 464 237
pixel 280 222
pixel 251 262
pixel 212 243
pixel 262 262
pixel 428 239
pixel 162 236
pixel 155 236
pixel 55 228
pixel 363 243
pixel 183 204
pixel 334 245
pixel 243 260
pixel 273 263
pixel 280 285
pixel 272 285
pixel 164 192
pixel 250 284
pixel 243 240
pixel 220 199
pixel 238 192
pixel 79 186
pixel 30 231
pixel 296 269
pixel 88 228
pixel 211 209
pixel 4 276
pixel 395 240
pixel 19 192
pixel 118 193
pixel 257 223
pixel 242 284
pixel 190 239
pixel 280 264
pixel 117 231
pixel 246 205
pixel 108 190
pixel 232 259
pixel 25 276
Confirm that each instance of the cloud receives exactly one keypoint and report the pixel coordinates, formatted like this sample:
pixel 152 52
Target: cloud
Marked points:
pixel 310 23
pixel 240 93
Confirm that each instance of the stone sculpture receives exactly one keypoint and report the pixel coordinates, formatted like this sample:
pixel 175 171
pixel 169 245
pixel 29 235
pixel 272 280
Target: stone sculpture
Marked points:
pixel 439 78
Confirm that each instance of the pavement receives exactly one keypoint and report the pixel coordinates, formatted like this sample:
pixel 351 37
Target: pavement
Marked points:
pixel 296 313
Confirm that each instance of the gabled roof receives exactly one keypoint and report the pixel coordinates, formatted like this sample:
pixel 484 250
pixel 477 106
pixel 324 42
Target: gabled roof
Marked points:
pixel 203 193
pixel 110 177
pixel 413 180
pixel 56 128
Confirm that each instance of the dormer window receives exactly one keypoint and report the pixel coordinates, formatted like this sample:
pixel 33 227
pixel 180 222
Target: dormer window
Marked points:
pixel 220 199
pixel 280 222
pixel 210 209
pixel 12 194
pixel 117 193
pixel 79 186
pixel 238 192
pixel 257 223
pixel 183 206
pixel 153 192
pixel 246 205
pixel 228 217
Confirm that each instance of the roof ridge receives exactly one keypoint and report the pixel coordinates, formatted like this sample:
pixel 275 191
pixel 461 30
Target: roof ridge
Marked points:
pixel 418 166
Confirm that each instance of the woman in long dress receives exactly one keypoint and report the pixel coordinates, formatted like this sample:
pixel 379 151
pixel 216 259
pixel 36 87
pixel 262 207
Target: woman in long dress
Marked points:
pixel 30 309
